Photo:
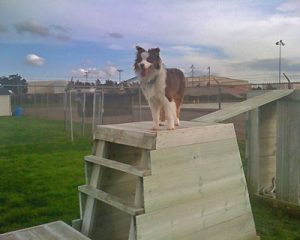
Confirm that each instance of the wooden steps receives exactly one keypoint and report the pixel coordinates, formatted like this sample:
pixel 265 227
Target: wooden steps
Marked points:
pixel 181 184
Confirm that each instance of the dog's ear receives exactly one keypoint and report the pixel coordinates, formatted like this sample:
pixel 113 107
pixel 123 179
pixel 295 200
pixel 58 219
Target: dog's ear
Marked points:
pixel 154 51
pixel 140 49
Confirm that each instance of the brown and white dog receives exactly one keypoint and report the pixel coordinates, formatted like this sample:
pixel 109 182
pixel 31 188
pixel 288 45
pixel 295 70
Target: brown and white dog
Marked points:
pixel 163 88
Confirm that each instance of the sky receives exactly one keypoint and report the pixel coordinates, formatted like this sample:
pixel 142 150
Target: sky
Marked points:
pixel 90 39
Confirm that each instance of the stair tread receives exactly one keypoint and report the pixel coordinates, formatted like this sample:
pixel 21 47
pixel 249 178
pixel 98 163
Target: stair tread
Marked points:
pixel 111 200
pixel 118 166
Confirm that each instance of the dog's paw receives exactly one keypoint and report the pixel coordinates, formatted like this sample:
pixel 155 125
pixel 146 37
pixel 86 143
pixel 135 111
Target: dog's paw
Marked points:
pixel 161 124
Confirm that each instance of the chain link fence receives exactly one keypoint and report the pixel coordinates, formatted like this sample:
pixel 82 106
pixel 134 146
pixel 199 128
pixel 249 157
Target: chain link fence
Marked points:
pixel 81 108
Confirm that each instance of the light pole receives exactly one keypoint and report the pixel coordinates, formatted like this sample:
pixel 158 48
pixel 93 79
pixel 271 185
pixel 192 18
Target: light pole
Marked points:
pixel 280 43
pixel 192 67
pixel 120 70
pixel 208 75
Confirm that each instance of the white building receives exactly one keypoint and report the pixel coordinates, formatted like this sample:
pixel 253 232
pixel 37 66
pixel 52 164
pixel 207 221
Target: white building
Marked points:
pixel 5 102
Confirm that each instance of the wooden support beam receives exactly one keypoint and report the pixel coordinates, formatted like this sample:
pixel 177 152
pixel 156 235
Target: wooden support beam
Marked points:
pixel 94 180
pixel 288 152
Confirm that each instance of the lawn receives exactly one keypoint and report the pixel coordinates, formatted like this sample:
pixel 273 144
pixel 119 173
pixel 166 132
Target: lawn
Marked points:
pixel 40 170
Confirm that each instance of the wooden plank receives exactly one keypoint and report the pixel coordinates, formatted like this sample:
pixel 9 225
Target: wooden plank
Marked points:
pixel 94 181
pixel 122 135
pixel 253 160
pixel 138 201
pixel 139 134
pixel 111 200
pixel 165 197
pixel 192 156
pixel 183 219
pixel 233 229
pixel 244 106
pixel 192 171
pixel 268 141
pixel 111 223
pixel 288 152
pixel 64 231
pixel 118 166
pixel 139 196
pixel 295 96
pixel 51 231
pixel 179 137
pixel 76 224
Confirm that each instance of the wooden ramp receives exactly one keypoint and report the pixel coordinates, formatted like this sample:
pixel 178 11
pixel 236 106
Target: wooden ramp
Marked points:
pixel 51 231
pixel 244 106
pixel 181 185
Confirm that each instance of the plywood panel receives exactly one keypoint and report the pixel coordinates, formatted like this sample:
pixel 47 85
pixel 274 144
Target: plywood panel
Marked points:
pixel 191 156
pixel 268 141
pixel 111 223
pixel 51 231
pixel 288 153
pixel 194 135
pixel 158 197
pixel 183 219
pixel 146 139
pixel 240 228
pixel 253 154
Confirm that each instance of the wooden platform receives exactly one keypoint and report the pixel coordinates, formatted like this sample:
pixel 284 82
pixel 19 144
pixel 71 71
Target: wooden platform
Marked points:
pixel 51 231
pixel 183 184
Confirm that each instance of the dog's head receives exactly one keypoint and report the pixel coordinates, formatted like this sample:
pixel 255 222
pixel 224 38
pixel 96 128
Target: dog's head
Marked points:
pixel 147 62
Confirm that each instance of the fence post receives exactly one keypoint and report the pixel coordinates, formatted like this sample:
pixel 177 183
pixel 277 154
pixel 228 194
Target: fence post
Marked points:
pixel 94 111
pixel 102 105
pixel 65 109
pixel 83 115
pixel 71 116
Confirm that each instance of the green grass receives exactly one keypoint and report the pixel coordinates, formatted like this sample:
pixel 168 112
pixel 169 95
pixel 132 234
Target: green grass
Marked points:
pixel 272 223
pixel 40 170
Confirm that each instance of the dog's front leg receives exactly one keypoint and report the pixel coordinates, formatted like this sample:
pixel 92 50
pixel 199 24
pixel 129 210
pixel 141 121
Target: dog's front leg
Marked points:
pixel 170 113
pixel 155 110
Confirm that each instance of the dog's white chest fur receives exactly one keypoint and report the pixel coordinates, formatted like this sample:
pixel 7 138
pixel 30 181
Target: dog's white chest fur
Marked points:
pixel 154 90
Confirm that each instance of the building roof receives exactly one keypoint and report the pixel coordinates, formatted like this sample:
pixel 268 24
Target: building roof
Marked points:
pixel 214 80
pixel 4 91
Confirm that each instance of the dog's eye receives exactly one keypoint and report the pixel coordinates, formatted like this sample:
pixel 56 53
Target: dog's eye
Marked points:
pixel 150 59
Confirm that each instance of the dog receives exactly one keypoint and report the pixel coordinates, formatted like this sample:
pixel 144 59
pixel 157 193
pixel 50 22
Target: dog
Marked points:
pixel 163 88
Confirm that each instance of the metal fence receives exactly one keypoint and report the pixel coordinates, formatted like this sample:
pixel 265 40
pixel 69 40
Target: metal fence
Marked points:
pixel 82 108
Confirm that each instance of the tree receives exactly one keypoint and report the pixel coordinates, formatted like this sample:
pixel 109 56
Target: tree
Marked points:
pixel 15 83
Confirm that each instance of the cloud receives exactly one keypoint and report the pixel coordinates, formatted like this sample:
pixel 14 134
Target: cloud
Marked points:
pixel 3 29
pixel 33 28
pixel 290 6
pixel 62 37
pixel 107 71
pixel 115 35
pixel 60 28
pixel 110 69
pixel 270 65
pixel 34 60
